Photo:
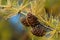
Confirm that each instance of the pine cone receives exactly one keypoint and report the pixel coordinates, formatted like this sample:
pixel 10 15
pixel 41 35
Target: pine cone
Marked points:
pixel 38 31
pixel 32 20
pixel 24 22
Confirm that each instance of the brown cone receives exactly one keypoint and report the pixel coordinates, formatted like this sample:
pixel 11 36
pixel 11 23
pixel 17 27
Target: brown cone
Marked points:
pixel 38 31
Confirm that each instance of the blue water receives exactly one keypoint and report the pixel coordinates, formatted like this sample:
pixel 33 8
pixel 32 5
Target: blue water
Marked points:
pixel 15 21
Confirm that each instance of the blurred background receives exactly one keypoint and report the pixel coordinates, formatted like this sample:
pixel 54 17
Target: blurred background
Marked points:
pixel 12 28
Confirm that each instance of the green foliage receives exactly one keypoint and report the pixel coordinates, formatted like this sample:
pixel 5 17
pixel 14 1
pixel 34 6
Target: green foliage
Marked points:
pixel 5 30
pixel 3 2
